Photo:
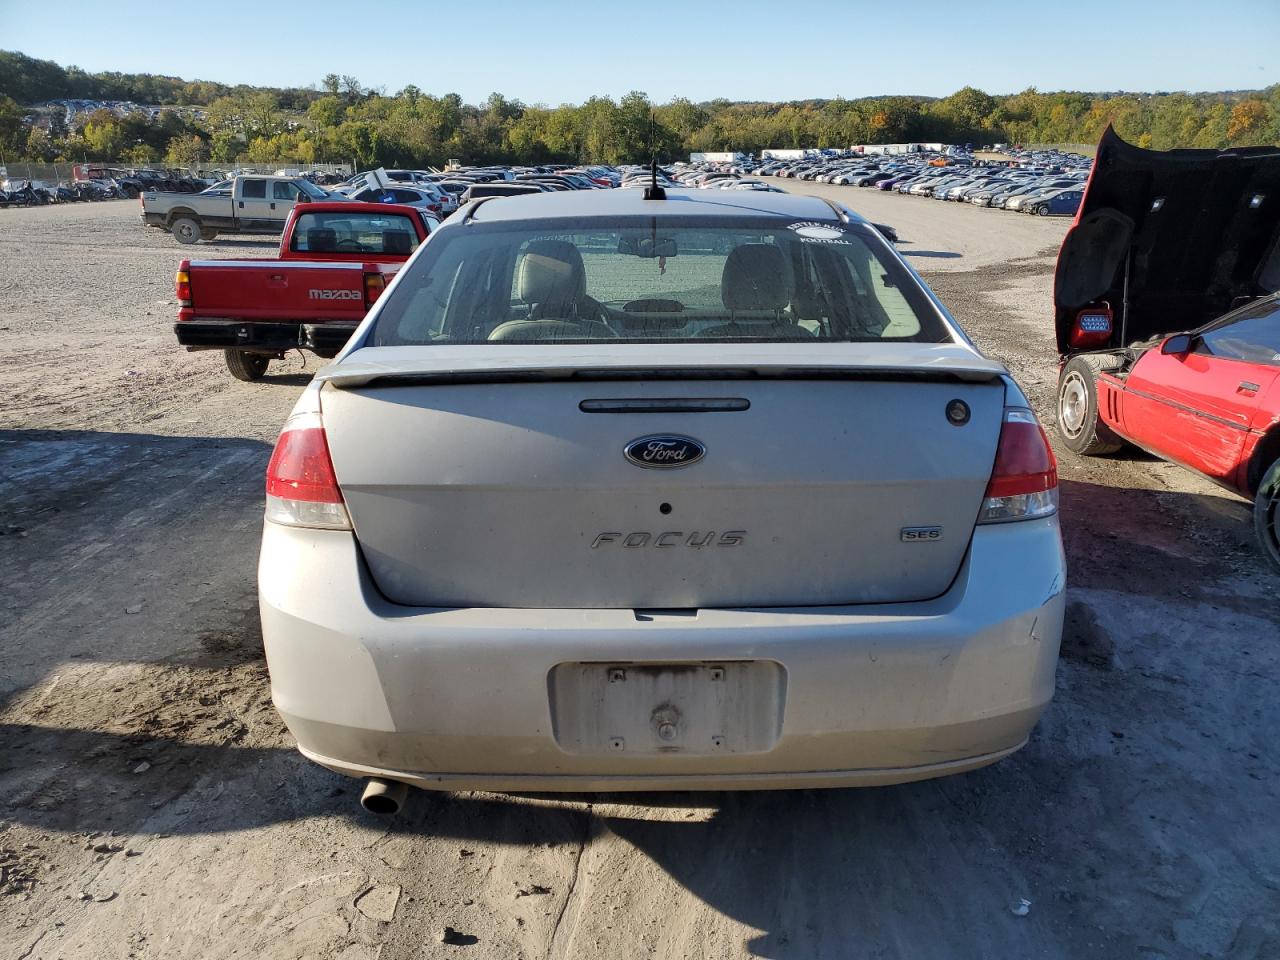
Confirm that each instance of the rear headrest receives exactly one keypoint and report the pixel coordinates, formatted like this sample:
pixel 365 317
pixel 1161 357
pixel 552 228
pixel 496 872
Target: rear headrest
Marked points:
pixel 756 278
pixel 396 241
pixel 322 239
pixel 551 272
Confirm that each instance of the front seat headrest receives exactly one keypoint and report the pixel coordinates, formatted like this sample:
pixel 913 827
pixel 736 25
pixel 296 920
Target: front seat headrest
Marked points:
pixel 322 239
pixel 551 274
pixel 755 278
pixel 396 241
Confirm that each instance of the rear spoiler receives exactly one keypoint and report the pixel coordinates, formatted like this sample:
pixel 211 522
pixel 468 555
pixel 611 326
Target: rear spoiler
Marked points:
pixel 492 363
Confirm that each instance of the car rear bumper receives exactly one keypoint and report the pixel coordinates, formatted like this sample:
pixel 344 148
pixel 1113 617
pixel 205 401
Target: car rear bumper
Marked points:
pixel 463 698
pixel 326 338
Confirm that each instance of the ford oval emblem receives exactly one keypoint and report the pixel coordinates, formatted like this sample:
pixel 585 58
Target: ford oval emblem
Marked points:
pixel 664 450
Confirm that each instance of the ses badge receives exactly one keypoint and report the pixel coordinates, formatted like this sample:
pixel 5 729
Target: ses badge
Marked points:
pixel 921 534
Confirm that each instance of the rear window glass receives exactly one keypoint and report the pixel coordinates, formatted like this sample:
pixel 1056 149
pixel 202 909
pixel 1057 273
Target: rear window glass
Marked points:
pixel 353 233
pixel 646 280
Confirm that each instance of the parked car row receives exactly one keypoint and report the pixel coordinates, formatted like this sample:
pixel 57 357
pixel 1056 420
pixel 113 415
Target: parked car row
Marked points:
pixel 443 192
pixel 688 176
pixel 1046 183
pixel 97 182
pixel 131 183
pixel 34 193
pixel 1026 190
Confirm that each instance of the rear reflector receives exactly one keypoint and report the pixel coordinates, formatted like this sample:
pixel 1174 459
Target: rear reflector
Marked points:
pixel 1024 479
pixel 302 490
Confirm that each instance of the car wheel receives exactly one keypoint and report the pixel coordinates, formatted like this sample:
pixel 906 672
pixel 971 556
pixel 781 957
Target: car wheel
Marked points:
pixel 1042 211
pixel 1266 515
pixel 185 230
pixel 1078 421
pixel 246 366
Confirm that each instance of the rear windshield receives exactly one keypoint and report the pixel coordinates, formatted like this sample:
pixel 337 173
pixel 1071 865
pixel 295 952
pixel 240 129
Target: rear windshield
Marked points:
pixel 655 279
pixel 365 233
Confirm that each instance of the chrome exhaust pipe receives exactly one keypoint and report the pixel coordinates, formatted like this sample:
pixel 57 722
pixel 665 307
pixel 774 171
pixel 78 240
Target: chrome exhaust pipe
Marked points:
pixel 384 797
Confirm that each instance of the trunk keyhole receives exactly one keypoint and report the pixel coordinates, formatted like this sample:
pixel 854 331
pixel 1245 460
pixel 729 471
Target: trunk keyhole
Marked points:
pixel 664 508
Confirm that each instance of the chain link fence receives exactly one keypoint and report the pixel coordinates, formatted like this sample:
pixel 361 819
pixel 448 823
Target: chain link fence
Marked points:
pixel 36 172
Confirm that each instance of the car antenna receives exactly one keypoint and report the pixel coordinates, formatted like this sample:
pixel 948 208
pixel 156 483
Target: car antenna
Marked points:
pixel 653 191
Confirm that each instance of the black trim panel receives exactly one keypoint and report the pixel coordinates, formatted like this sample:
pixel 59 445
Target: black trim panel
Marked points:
pixel 325 339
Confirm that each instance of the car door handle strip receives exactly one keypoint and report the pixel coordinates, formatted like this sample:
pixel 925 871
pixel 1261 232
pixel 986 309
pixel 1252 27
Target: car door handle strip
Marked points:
pixel 1186 409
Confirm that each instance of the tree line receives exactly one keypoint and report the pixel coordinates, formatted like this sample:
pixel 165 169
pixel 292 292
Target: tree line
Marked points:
pixel 341 120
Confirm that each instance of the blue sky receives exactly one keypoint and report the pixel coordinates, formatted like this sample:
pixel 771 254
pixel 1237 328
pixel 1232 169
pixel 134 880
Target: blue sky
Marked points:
pixel 556 52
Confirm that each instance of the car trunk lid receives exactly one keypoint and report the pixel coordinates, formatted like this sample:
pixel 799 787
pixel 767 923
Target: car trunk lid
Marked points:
pixel 1195 230
pixel 492 476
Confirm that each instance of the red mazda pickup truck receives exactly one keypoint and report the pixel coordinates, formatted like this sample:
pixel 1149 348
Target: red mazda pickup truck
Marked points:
pixel 335 260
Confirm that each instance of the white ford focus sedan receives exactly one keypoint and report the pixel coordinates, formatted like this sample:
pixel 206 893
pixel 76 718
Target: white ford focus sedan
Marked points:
pixel 695 492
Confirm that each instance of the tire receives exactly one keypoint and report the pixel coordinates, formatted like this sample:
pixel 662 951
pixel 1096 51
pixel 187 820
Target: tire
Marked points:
pixel 1042 211
pixel 246 366
pixel 1078 422
pixel 185 230
pixel 1266 515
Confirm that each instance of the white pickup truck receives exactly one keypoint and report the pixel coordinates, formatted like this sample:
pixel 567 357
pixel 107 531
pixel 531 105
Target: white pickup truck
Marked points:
pixel 255 204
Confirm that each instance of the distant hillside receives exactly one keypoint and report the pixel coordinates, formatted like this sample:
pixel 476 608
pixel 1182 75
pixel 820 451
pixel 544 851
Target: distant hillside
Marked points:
pixel 341 120
pixel 30 81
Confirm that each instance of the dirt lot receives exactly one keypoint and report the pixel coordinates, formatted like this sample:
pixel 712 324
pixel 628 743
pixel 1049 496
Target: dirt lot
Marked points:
pixel 152 806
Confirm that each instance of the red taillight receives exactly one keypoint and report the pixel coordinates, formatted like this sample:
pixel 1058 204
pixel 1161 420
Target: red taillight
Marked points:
pixel 1024 478
pixel 1092 326
pixel 374 284
pixel 302 488
pixel 301 469
pixel 182 284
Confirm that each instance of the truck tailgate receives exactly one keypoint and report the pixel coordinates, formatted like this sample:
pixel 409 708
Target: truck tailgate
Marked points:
pixel 300 291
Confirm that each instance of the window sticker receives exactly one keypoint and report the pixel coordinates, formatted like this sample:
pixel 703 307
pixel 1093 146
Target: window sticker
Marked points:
pixel 810 231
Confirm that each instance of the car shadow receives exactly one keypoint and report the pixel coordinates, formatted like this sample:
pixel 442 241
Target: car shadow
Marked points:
pixel 1143 540
pixel 300 379
pixel 933 254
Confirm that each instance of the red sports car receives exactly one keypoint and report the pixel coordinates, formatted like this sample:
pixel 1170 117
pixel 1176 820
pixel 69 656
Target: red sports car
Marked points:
pixel 1168 319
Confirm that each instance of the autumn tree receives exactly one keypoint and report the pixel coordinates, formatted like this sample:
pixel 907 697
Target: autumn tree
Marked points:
pixel 1247 118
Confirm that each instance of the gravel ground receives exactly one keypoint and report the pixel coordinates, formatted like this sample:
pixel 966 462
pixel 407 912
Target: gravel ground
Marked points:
pixel 152 805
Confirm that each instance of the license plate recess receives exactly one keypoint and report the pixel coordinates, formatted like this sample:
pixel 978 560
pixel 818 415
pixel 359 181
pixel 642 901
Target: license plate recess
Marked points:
pixel 708 708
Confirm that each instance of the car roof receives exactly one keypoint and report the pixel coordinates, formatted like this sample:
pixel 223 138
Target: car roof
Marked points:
pixel 356 206
pixel 621 203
